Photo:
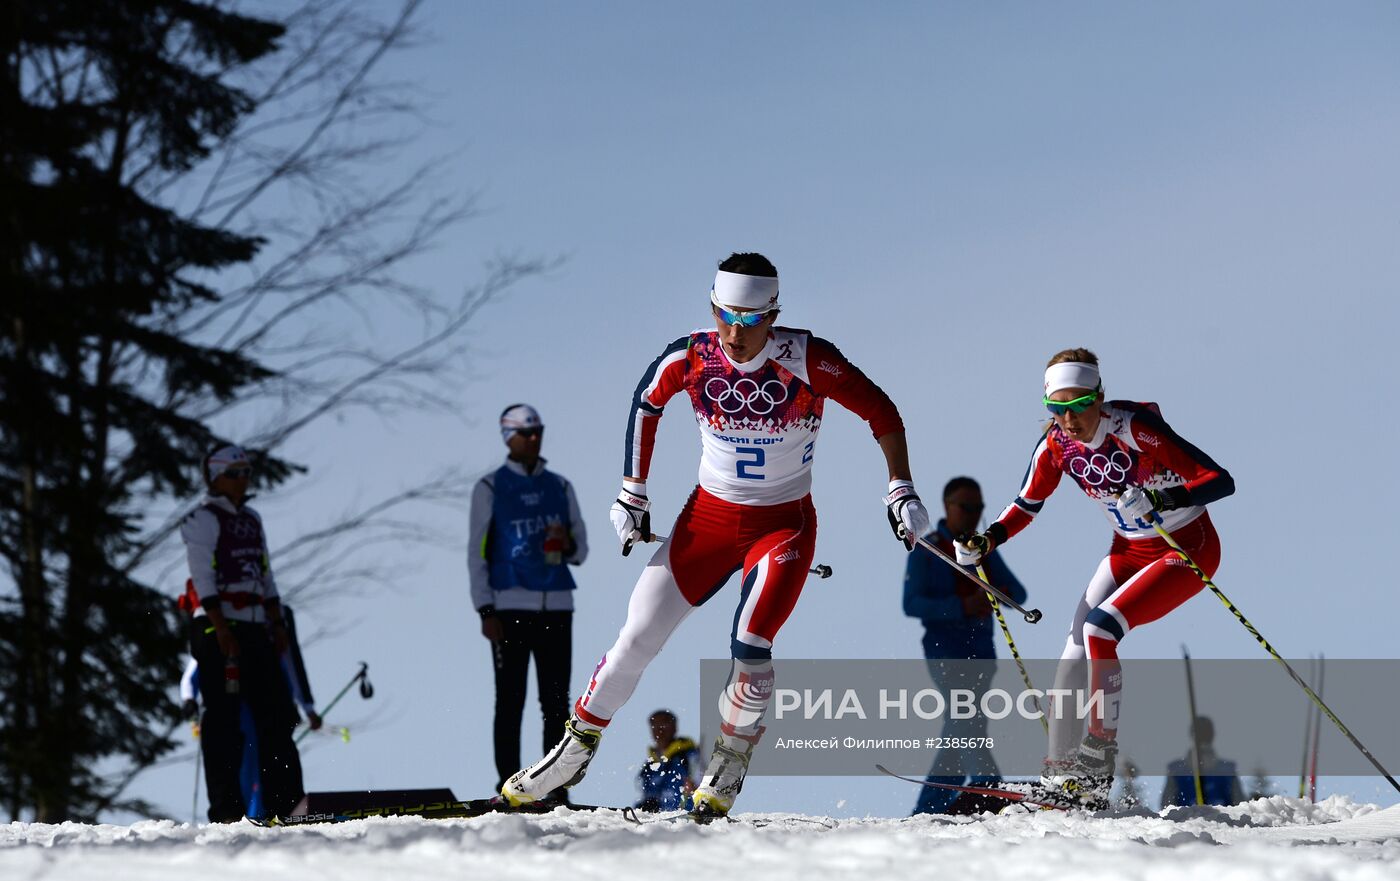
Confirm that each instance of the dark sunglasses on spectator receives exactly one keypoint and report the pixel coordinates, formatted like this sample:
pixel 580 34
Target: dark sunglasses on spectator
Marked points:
pixel 530 432
pixel 238 473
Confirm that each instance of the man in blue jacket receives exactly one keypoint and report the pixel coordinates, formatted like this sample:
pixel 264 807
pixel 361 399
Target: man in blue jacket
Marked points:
pixel 958 626
pixel 526 531
pixel 1220 780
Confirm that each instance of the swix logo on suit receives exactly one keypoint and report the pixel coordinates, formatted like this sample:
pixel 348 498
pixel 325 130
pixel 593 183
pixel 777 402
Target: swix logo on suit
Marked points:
pixel 758 421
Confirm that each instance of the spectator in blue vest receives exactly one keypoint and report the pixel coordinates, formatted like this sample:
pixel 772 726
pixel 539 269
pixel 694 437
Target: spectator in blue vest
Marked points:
pixel 958 627
pixel 525 532
pixel 1220 781
pixel 668 777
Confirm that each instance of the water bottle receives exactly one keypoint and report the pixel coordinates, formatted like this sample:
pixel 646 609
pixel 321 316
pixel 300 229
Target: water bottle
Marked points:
pixel 231 676
pixel 554 544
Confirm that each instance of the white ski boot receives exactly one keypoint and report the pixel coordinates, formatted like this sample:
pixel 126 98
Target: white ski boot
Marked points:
pixel 724 777
pixel 1086 780
pixel 564 766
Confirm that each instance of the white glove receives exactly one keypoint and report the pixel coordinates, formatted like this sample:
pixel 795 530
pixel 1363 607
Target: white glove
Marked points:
pixel 631 515
pixel 971 550
pixel 908 516
pixel 1137 503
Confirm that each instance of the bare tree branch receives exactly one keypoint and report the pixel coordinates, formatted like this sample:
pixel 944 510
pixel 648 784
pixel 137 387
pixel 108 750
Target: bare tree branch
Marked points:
pixel 347 92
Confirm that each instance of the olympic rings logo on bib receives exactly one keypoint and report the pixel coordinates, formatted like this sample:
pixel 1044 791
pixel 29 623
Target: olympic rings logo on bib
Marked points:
pixel 745 392
pixel 244 527
pixel 1099 469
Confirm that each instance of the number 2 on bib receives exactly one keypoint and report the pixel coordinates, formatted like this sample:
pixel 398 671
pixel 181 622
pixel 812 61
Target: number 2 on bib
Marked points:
pixel 749 461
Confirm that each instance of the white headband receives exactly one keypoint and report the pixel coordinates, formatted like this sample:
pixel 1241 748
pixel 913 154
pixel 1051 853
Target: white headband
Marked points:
pixel 1071 374
pixel 224 458
pixel 750 293
pixel 516 417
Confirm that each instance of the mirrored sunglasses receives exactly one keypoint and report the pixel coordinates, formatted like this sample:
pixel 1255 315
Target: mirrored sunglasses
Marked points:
pixel 1078 405
pixel 742 319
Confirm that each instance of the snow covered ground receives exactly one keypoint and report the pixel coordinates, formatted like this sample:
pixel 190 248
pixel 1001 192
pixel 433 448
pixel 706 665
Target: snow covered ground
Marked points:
pixel 1276 838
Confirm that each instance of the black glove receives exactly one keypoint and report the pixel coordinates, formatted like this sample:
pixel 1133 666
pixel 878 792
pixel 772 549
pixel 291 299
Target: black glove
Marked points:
pixel 190 710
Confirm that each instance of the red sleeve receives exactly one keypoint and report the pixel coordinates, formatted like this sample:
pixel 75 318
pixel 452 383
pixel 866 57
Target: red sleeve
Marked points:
pixel 1206 481
pixel 662 380
pixel 1042 476
pixel 832 376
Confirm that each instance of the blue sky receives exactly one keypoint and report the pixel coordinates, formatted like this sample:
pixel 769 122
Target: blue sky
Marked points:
pixel 1204 194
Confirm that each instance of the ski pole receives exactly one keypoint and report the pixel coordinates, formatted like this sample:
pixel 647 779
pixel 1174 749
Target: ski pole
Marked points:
pixel 1011 644
pixel 1195 741
pixel 1308 720
pixel 1031 615
pixel 1317 727
pixel 366 692
pixel 198 760
pixel 1239 616
pixel 821 570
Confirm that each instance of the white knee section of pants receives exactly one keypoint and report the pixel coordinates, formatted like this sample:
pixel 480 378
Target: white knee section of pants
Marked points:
pixel 1066 728
pixel 654 612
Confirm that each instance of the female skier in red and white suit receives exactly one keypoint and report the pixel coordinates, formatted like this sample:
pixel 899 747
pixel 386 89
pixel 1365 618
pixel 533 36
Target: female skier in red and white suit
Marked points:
pixel 757 392
pixel 1126 458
